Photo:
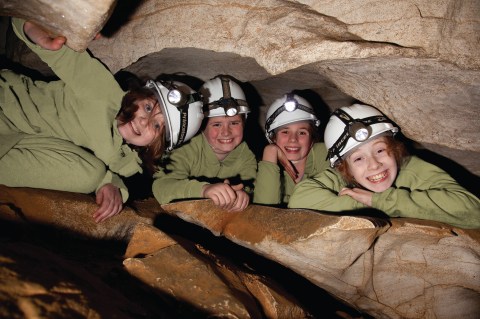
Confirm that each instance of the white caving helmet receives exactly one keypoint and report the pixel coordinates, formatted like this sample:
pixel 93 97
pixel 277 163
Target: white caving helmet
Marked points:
pixel 290 108
pixel 182 108
pixel 223 97
pixel 351 126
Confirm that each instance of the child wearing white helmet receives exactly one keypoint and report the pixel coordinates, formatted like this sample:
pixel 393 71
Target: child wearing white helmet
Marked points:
pixel 293 153
pixel 81 133
pixel 217 163
pixel 372 169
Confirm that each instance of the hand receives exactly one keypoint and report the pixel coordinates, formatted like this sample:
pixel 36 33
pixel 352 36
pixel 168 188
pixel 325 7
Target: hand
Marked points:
pixel 360 195
pixel 40 36
pixel 221 193
pixel 242 198
pixel 273 153
pixel 109 199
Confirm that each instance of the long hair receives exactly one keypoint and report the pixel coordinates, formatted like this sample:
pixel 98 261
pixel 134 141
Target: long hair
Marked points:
pixel 394 147
pixel 151 153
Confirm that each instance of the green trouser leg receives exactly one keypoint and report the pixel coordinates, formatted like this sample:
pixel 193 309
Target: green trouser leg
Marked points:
pixel 51 163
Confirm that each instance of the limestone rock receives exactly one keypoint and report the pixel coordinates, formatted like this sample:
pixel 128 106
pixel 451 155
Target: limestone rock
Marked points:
pixel 78 21
pixel 71 212
pixel 182 274
pixel 214 286
pixel 401 268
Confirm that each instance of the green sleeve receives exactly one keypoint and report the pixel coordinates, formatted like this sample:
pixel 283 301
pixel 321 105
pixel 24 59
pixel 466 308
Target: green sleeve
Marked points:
pixel 321 193
pixel 173 181
pixel 267 185
pixel 425 191
pixel 78 70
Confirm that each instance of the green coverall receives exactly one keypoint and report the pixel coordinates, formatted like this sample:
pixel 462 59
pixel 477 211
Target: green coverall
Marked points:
pixel 63 135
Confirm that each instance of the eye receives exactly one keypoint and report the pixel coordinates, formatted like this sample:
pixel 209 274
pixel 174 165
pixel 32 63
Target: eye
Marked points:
pixel 356 159
pixel 148 108
pixel 303 133
pixel 381 151
pixel 235 123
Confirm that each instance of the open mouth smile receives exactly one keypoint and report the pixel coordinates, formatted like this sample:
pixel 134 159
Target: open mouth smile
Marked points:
pixel 134 129
pixel 292 149
pixel 226 141
pixel 378 178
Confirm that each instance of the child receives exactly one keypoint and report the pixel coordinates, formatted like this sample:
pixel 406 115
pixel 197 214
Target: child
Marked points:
pixel 291 129
pixel 373 170
pixel 82 132
pixel 216 164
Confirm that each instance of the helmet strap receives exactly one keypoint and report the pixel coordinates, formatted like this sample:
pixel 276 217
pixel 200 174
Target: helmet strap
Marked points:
pixel 282 108
pixel 227 101
pixel 183 125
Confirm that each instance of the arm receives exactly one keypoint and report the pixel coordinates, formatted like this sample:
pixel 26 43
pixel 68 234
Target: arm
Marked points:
pixel 173 181
pixel 321 192
pixel 267 184
pixel 78 70
pixel 427 192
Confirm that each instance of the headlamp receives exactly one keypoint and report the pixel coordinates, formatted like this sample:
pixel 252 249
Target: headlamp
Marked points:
pixel 231 111
pixel 176 97
pixel 290 106
pixel 359 131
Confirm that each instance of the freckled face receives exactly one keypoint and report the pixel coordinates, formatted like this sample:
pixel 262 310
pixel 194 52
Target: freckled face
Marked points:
pixel 372 166
pixel 294 140
pixel 145 125
pixel 224 133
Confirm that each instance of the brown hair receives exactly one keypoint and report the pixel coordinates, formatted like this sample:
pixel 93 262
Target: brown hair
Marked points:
pixel 153 152
pixel 395 147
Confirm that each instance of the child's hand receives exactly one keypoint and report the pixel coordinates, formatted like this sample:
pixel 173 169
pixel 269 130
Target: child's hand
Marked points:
pixel 360 195
pixel 40 36
pixel 109 199
pixel 272 153
pixel 221 193
pixel 242 198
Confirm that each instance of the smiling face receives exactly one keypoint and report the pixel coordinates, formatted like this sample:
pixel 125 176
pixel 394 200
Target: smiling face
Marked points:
pixel 295 140
pixel 372 165
pixel 145 125
pixel 224 133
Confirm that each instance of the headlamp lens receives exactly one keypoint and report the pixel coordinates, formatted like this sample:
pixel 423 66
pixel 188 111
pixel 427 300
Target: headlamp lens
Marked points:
pixel 232 111
pixel 290 106
pixel 175 97
pixel 359 131
pixel 361 134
